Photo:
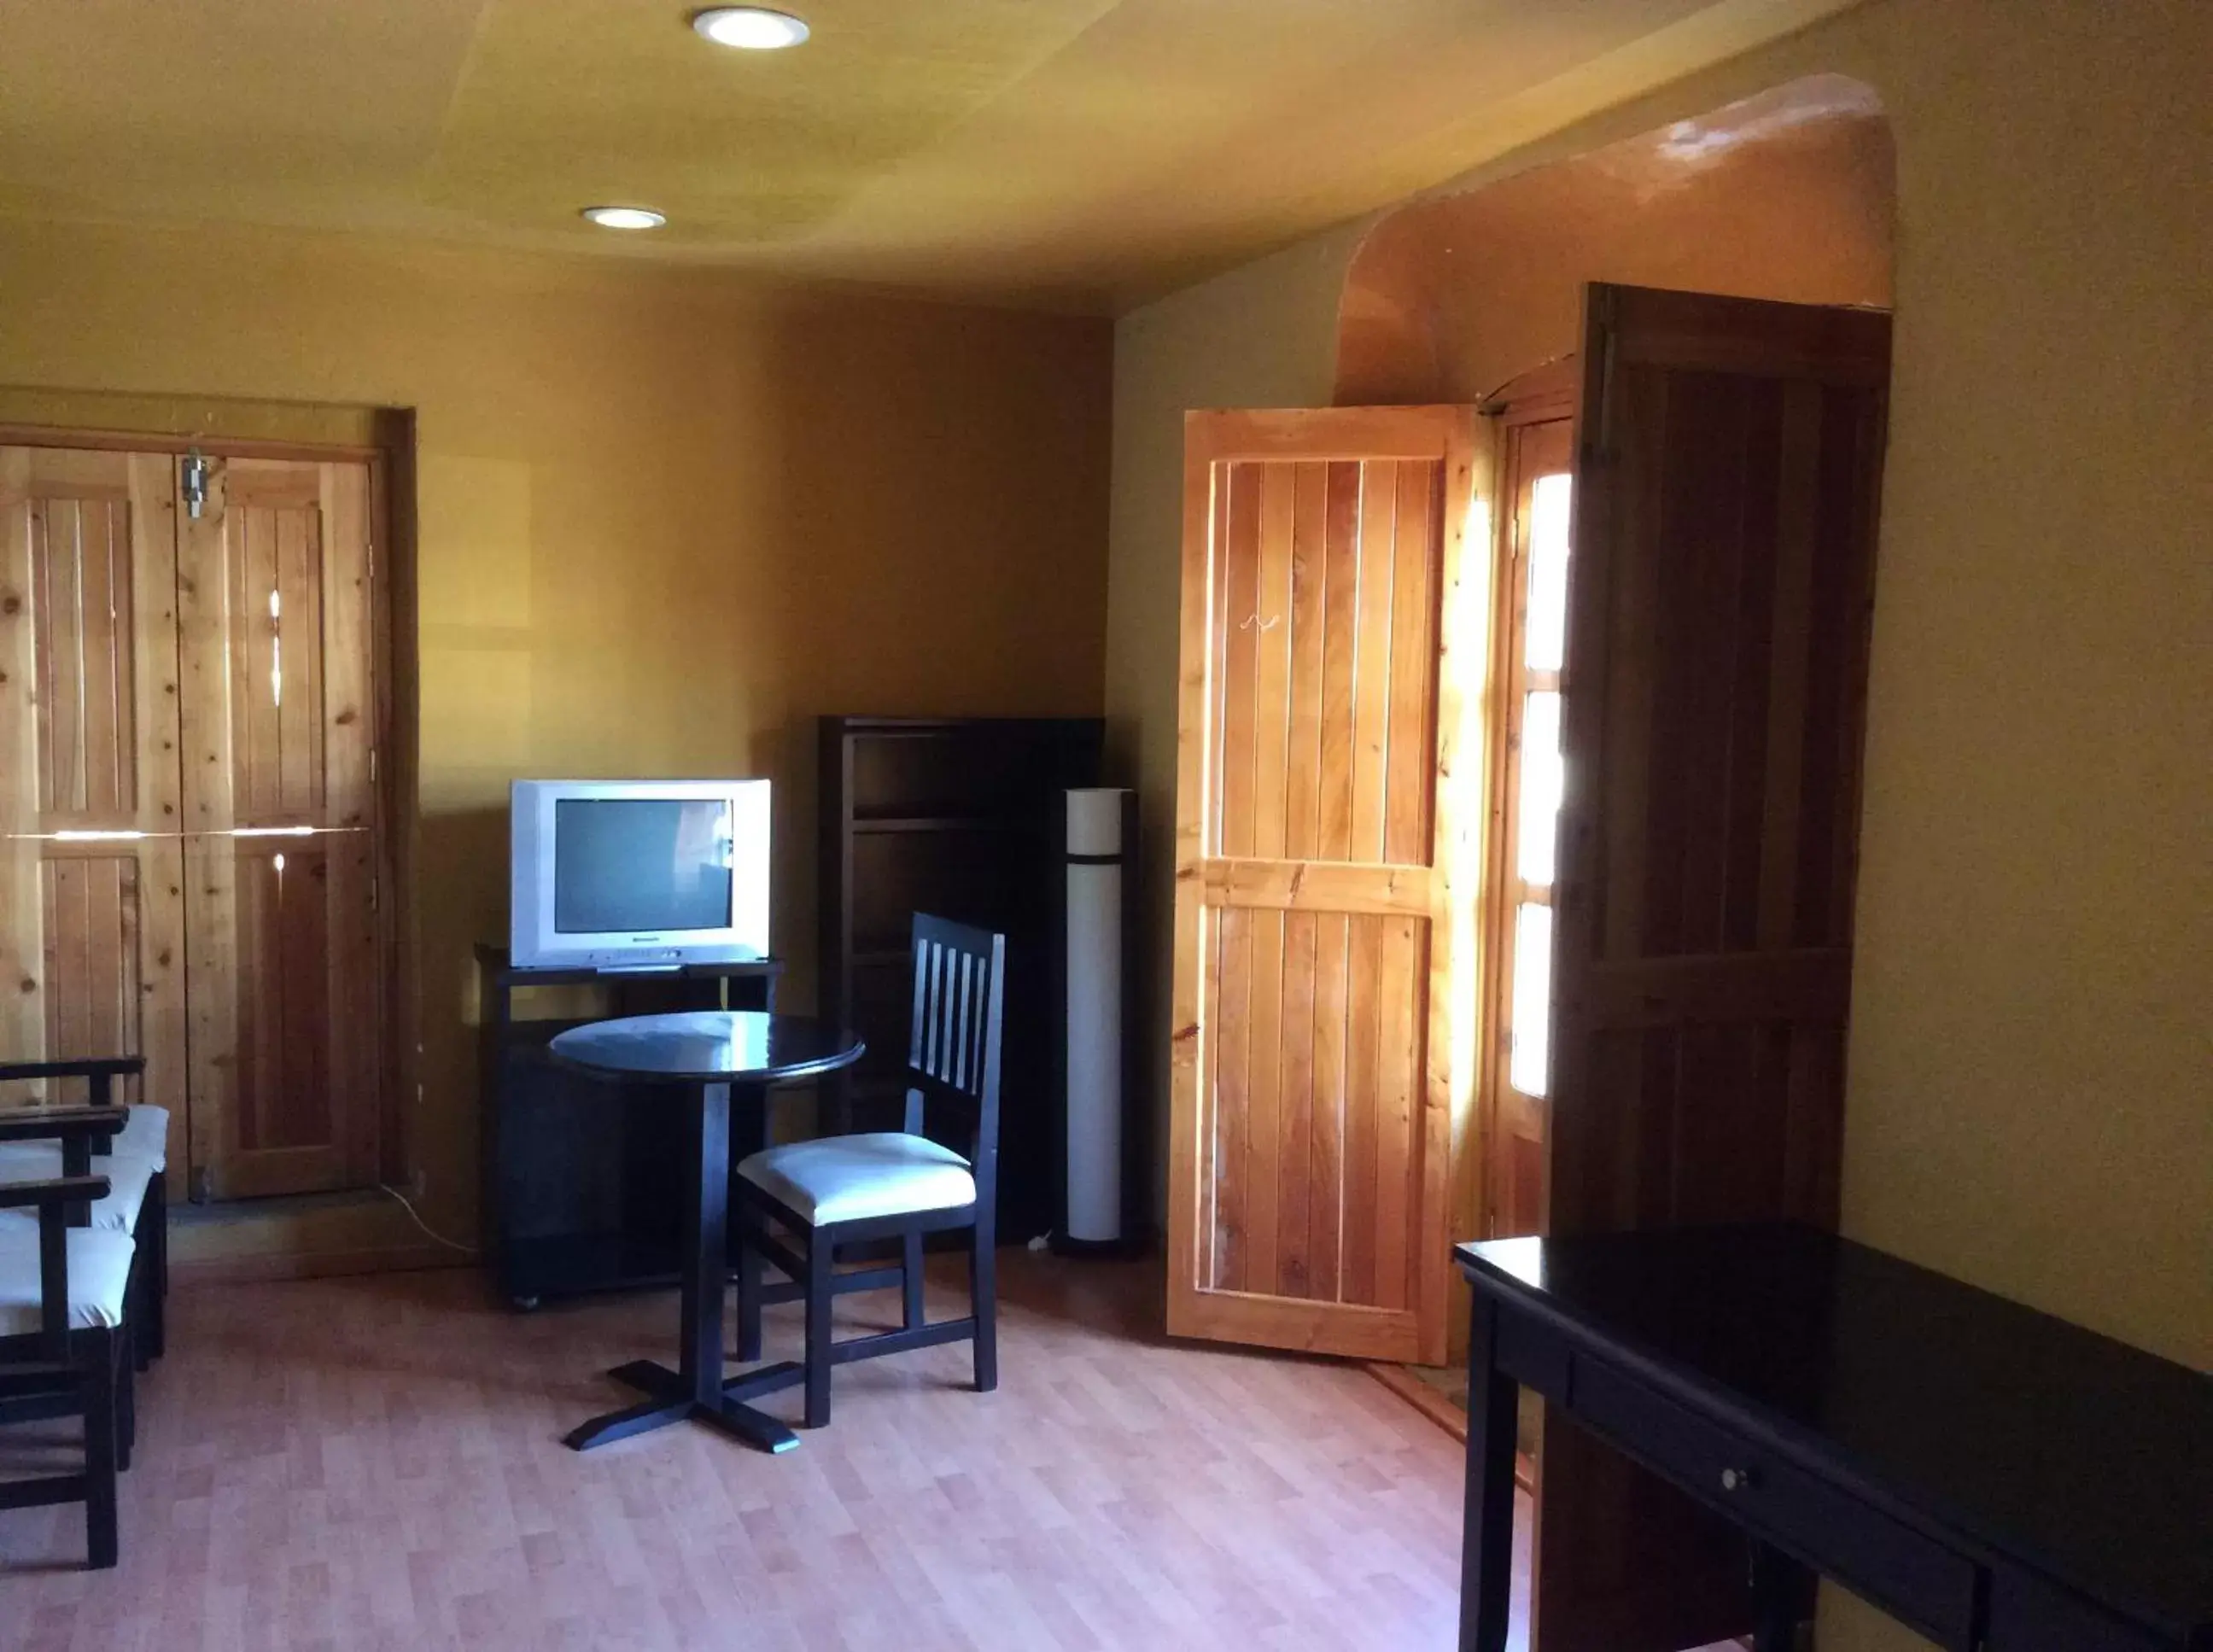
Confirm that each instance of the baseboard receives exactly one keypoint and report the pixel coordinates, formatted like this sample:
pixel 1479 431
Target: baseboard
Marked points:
pixel 311 1264
pixel 1422 1397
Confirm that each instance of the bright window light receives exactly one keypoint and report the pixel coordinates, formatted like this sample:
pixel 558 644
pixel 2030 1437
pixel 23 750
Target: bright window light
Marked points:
pixel 750 28
pixel 1528 1068
pixel 1536 844
pixel 1547 632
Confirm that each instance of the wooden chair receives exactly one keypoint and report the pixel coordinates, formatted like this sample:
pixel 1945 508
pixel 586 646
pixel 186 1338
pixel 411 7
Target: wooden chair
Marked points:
pixel 850 1190
pixel 134 1159
pixel 64 1341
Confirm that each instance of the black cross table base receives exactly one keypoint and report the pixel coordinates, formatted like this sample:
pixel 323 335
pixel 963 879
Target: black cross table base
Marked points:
pixel 672 1401
pixel 700 1048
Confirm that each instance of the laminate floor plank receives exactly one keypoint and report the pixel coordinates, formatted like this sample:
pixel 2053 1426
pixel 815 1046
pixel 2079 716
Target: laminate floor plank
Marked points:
pixel 363 1463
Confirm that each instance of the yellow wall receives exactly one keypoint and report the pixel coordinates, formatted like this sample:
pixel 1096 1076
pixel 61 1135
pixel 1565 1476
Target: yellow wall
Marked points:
pixel 2031 1091
pixel 1787 196
pixel 665 520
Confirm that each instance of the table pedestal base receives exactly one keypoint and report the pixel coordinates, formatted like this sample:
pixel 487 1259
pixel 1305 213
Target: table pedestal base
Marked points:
pixel 670 1399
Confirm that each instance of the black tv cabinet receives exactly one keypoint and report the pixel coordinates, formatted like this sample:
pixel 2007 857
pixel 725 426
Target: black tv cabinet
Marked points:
pixel 581 1178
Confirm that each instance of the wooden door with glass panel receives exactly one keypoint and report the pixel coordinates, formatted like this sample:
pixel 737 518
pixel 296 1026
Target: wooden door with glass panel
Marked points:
pixel 1318 1069
pixel 1536 455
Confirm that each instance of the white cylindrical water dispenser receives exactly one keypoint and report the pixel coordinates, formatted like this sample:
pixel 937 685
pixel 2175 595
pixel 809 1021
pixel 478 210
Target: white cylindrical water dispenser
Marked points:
pixel 1098 851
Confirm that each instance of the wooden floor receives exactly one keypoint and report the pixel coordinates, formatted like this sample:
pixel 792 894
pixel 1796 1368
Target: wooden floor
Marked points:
pixel 375 1462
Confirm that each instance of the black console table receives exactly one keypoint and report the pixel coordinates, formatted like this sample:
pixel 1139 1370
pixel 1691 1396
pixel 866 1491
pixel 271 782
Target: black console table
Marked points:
pixel 2000 1480
pixel 581 1196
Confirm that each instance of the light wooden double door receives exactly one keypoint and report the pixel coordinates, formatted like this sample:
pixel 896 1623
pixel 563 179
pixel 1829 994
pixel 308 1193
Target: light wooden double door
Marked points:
pixel 189 713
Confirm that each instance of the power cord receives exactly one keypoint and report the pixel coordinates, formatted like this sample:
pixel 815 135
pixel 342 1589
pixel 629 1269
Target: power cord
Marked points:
pixel 416 1216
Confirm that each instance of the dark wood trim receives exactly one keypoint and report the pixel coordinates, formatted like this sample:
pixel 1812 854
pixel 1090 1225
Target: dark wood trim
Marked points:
pixel 393 531
pixel 215 446
pixel 1542 393
pixel 1425 1398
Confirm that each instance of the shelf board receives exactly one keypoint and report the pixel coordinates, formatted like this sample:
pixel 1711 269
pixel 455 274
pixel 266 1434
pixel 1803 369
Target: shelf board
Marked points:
pixel 936 823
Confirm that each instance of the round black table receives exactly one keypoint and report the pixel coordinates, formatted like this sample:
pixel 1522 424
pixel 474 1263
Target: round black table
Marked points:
pixel 710 1053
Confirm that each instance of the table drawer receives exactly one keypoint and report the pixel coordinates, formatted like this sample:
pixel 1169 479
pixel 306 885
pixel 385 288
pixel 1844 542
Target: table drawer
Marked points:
pixel 1912 1576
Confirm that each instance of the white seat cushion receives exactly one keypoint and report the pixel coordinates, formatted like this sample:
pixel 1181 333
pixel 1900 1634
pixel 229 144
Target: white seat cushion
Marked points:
pixel 98 1274
pixel 852 1178
pixel 146 1136
pixel 127 1175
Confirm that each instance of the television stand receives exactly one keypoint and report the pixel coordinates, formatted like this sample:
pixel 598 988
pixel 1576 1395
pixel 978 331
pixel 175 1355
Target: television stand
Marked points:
pixel 580 1190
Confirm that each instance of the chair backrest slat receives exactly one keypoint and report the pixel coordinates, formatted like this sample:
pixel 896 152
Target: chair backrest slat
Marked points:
pixel 960 986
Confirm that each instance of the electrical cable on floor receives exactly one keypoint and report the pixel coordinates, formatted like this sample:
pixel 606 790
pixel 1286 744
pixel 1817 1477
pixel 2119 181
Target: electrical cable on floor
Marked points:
pixel 416 1216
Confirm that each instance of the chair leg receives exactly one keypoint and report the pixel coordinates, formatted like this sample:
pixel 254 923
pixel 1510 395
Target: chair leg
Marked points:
pixel 910 1279
pixel 138 1297
pixel 99 1450
pixel 157 1317
pixel 749 1293
pixel 821 1294
pixel 126 1397
pixel 984 1292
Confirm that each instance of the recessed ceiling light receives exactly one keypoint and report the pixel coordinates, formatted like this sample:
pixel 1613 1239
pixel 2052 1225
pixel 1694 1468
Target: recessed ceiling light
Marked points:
pixel 751 28
pixel 625 217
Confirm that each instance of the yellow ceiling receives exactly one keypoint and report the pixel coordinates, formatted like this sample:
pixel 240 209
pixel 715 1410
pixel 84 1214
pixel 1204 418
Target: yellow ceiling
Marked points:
pixel 1079 154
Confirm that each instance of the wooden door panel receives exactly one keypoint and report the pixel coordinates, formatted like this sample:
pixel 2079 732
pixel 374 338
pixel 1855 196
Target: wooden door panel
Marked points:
pixel 1334 1068
pixel 1727 462
pixel 93 978
pixel 278 719
pixel 1312 1092
pixel 90 885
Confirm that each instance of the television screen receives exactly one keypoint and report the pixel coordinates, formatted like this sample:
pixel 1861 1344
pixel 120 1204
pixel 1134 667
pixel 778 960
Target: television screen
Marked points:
pixel 645 864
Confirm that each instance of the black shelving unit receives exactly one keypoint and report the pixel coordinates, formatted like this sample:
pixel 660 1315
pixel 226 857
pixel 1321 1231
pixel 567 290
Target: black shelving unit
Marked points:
pixel 582 1179
pixel 962 817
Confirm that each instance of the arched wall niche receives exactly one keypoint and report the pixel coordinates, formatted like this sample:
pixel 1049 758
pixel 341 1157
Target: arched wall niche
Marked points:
pixel 1789 194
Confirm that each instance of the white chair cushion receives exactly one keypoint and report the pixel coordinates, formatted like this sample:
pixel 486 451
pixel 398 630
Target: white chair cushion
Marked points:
pixel 146 1136
pixel 127 1175
pixel 99 1275
pixel 852 1178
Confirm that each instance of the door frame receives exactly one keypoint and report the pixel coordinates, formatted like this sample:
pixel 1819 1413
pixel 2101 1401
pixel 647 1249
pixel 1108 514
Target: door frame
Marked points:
pixel 390 458
pixel 1547 394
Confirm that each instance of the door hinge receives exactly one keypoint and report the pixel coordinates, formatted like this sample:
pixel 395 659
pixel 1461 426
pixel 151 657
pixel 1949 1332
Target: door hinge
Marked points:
pixel 372 765
pixel 375 892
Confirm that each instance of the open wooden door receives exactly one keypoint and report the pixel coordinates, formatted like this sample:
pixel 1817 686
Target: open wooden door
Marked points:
pixel 1729 456
pixel 279 721
pixel 91 870
pixel 1318 834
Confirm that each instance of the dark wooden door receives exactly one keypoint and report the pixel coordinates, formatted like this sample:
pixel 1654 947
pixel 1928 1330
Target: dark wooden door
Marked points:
pixel 1729 459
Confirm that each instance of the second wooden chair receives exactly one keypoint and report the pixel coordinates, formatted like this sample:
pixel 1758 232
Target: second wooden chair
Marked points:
pixel 842 1191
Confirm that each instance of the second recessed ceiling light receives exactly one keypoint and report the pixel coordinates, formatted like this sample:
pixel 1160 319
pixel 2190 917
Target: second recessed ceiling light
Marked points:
pixel 750 28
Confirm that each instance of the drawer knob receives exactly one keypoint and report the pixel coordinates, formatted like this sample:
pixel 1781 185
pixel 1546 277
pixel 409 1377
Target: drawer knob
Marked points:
pixel 1735 1480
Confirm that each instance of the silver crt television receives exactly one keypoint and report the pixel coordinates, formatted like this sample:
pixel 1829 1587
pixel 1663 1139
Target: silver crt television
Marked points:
pixel 637 875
